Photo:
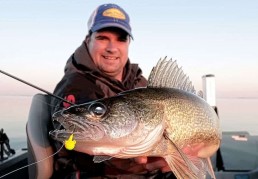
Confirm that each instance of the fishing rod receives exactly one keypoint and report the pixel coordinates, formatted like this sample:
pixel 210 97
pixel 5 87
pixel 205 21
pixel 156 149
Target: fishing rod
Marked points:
pixel 69 144
pixel 36 87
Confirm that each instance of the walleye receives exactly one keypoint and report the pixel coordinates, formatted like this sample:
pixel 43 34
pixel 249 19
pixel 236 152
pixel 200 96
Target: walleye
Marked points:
pixel 165 119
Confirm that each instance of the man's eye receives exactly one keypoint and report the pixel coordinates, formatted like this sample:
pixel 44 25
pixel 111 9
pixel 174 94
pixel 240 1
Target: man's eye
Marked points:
pixel 100 38
pixel 123 39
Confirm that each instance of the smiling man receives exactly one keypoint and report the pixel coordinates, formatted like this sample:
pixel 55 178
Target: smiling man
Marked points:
pixel 100 68
pixel 108 49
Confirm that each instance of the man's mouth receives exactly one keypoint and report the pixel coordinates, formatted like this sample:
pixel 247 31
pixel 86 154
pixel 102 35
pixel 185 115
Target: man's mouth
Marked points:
pixel 110 58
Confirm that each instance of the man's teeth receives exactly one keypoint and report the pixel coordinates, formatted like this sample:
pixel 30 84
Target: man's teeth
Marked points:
pixel 110 58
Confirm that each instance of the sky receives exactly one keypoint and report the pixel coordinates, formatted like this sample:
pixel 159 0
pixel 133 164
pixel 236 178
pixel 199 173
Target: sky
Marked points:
pixel 205 37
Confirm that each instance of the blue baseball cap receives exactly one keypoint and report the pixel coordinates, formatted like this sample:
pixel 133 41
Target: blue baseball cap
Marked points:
pixel 109 15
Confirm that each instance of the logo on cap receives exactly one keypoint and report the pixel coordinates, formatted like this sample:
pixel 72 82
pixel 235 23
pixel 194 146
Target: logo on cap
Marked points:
pixel 109 15
pixel 115 13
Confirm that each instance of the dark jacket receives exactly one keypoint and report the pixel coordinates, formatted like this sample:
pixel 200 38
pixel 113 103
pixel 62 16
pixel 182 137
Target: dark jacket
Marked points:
pixel 83 80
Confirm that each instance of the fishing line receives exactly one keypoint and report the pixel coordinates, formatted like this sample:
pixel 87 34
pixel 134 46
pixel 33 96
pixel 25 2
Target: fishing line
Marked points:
pixel 44 102
pixel 33 163
pixel 27 83
pixel 69 144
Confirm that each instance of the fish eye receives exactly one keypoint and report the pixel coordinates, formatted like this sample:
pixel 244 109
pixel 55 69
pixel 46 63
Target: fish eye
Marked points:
pixel 97 109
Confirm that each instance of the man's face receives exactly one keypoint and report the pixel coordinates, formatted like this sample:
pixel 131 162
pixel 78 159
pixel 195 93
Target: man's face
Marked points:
pixel 109 51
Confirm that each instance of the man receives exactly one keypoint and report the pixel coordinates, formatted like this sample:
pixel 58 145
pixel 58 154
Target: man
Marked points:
pixel 100 68
pixel 5 140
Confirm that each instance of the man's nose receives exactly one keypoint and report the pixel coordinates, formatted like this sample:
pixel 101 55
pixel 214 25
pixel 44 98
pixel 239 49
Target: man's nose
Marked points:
pixel 111 47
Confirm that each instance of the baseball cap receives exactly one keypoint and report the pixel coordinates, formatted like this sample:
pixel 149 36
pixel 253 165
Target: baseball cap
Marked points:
pixel 109 15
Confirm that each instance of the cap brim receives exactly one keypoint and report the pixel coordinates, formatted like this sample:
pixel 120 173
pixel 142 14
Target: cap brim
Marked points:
pixel 110 24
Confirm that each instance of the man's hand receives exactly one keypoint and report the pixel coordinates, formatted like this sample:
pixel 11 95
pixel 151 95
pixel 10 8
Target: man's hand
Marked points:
pixel 138 165
pixel 153 163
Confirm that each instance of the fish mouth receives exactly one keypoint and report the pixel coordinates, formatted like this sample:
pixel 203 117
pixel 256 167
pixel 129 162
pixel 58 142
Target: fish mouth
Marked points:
pixel 82 128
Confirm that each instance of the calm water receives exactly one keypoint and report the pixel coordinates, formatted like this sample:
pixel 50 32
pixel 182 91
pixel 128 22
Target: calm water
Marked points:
pixel 235 114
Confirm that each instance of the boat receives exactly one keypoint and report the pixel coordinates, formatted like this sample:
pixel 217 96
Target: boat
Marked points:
pixel 12 163
pixel 238 160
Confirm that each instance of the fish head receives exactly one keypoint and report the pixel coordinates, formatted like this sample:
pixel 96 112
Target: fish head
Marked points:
pixel 122 119
pixel 95 120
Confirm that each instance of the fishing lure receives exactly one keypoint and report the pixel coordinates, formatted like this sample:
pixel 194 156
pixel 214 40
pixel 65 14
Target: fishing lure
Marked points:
pixel 70 143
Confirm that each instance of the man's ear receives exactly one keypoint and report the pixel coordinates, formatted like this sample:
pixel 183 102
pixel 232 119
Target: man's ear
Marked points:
pixel 87 39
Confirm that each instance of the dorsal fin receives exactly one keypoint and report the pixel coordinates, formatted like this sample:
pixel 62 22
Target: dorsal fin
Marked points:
pixel 167 74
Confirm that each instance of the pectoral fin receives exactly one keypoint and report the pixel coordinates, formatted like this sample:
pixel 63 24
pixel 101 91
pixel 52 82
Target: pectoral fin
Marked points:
pixel 101 158
pixel 209 167
pixel 181 166
pixel 186 166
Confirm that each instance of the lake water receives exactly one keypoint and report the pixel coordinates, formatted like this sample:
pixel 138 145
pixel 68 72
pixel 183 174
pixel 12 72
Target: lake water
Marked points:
pixel 236 114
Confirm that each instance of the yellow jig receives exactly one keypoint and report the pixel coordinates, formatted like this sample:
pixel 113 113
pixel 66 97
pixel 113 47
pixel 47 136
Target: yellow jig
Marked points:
pixel 70 143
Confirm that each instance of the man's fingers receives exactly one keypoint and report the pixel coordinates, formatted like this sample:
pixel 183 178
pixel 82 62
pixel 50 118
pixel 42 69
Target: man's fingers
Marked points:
pixel 140 160
pixel 165 169
pixel 126 165
pixel 158 163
